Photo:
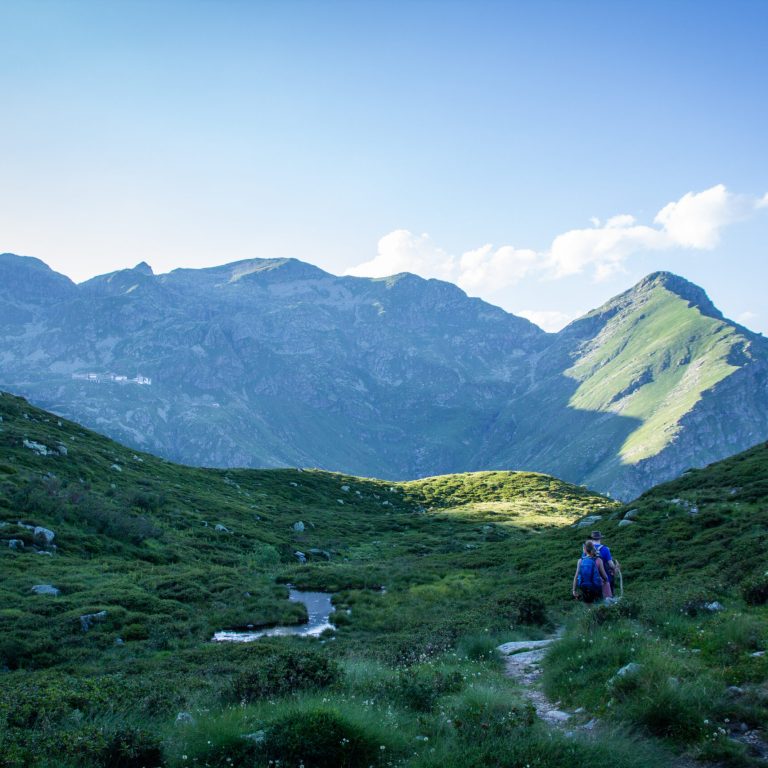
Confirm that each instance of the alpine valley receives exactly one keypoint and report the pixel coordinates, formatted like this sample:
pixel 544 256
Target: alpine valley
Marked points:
pixel 268 363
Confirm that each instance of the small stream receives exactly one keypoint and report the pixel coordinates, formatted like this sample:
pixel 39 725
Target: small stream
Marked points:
pixel 319 609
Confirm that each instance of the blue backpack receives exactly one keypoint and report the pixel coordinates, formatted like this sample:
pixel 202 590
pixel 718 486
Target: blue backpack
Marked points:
pixel 589 575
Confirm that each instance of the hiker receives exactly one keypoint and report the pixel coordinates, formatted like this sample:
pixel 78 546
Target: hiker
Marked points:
pixel 611 566
pixel 590 575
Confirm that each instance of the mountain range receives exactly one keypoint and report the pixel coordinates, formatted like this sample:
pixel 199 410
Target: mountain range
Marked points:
pixel 266 363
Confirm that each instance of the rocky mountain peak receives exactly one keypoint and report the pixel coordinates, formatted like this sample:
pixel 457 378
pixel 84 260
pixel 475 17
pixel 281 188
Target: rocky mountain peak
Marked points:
pixel 692 293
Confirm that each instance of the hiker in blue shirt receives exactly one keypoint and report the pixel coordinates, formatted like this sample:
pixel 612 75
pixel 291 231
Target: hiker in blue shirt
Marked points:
pixel 610 565
pixel 590 575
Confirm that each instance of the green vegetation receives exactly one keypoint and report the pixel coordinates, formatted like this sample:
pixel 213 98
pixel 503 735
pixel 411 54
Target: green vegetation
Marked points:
pixel 653 364
pixel 410 676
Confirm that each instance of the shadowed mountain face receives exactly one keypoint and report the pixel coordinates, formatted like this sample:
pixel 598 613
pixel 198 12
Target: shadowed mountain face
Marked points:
pixel 275 362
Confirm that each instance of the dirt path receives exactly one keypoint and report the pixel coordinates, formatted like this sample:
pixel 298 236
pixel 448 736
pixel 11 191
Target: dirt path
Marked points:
pixel 522 661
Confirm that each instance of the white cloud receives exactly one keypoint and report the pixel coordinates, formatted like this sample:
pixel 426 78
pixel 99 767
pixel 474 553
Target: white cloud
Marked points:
pixel 695 221
pixel 489 269
pixel 403 251
pixel 547 319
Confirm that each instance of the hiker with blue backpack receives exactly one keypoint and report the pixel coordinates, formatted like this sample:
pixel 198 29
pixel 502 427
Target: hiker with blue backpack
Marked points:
pixel 610 565
pixel 590 575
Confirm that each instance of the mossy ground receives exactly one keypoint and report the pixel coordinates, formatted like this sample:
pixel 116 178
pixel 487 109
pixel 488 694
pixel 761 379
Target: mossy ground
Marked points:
pixel 467 561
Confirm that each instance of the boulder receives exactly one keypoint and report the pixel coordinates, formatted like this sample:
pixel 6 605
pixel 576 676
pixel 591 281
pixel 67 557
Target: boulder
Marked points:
pixel 628 669
pixel 221 528
pixel 87 620
pixel 43 536
pixel 315 552
pixel 46 589
pixel 38 448
pixel 713 607
pixel 62 449
pixel 16 544
pixel 116 468
pixel 588 521
pixel 624 523
pixel 257 737
pixel 631 514
pixel 345 488
pixel 298 527
pixel 300 556
pixel 184 718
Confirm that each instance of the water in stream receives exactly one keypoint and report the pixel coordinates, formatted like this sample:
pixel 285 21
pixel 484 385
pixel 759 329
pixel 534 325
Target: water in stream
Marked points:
pixel 319 609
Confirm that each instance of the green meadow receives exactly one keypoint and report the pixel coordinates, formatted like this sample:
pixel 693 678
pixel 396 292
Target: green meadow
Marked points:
pixel 428 577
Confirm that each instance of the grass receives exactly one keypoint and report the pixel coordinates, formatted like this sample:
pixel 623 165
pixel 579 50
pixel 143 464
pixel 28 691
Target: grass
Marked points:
pixel 467 562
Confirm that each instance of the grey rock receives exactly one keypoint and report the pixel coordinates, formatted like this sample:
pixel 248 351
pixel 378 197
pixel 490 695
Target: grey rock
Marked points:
pixel 734 690
pixel 345 488
pixel 324 553
pixel 46 589
pixel 300 556
pixel 590 725
pixel 588 521
pixel 631 514
pixel 713 607
pixel 119 641
pixel 116 468
pixel 43 536
pixel 298 527
pixel 62 449
pixel 221 528
pixel 87 620
pixel 16 544
pixel 38 448
pixel 184 718
pixel 523 645
pixel 757 654
pixel 627 670
pixel 623 523
pixel 555 716
pixel 340 501
pixel 44 552
pixel 258 737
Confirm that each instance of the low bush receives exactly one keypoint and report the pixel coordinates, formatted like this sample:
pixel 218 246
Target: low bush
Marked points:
pixel 323 737
pixel 755 589
pixel 486 711
pixel 283 670
pixel 419 687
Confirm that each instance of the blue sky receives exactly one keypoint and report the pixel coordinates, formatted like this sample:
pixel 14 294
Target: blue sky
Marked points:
pixel 502 145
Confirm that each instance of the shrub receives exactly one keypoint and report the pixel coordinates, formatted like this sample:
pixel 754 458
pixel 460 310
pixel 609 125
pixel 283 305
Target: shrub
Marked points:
pixel 484 711
pixel 284 670
pixel 477 647
pixel 419 687
pixel 111 746
pixel 321 738
pixel 755 590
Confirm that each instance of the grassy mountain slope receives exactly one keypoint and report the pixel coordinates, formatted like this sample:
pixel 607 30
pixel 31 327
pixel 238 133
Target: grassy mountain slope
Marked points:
pixel 637 390
pixel 695 617
pixel 466 561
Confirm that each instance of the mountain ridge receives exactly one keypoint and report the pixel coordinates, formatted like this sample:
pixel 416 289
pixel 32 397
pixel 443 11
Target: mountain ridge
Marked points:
pixel 274 362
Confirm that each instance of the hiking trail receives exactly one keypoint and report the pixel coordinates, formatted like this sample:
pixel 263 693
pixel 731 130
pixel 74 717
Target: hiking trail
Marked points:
pixel 522 662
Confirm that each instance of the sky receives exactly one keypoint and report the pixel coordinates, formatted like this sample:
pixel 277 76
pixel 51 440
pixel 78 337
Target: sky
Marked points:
pixel 542 155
